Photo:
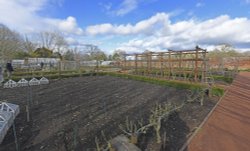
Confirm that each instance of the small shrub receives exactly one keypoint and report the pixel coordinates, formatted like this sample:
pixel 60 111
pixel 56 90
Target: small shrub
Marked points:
pixel 217 91
pixel 223 78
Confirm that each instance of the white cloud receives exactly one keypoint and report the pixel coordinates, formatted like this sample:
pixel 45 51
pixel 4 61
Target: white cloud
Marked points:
pixel 106 6
pixel 155 33
pixel 26 18
pixel 199 4
pixel 68 25
pixel 143 27
pixel 72 41
pixel 24 13
pixel 158 32
pixel 57 2
pixel 126 7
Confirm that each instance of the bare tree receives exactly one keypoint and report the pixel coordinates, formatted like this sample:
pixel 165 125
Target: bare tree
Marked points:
pixel 118 55
pixel 54 41
pixel 78 55
pixel 60 43
pixel 96 53
pixel 224 50
pixel 28 44
pixel 10 42
pixel 47 40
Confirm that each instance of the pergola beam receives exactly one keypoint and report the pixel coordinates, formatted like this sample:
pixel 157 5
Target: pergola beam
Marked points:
pixel 170 62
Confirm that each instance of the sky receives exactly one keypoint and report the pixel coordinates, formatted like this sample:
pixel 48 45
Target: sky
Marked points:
pixel 135 25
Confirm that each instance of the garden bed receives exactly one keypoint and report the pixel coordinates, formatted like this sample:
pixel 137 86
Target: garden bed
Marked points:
pixel 69 114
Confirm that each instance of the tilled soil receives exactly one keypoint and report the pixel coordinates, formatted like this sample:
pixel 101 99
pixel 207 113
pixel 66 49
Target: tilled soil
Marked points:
pixel 69 114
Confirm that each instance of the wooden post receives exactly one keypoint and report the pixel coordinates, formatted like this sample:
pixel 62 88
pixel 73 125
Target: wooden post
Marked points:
pixel 150 62
pixel 125 62
pixel 136 65
pixel 161 62
pixel 196 66
pixel 28 113
pixel 75 135
pixel 180 66
pixel 204 68
pixel 144 62
pixel 169 64
pixel 15 135
pixel 184 67
pixel 142 67
pixel 59 69
pixel 79 67
pixel 97 66
pixel 128 64
pixel 147 56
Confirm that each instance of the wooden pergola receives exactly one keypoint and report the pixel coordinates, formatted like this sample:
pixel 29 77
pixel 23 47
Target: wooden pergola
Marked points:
pixel 174 64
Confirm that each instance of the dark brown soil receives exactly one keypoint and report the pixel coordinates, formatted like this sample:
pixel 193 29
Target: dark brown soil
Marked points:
pixel 68 114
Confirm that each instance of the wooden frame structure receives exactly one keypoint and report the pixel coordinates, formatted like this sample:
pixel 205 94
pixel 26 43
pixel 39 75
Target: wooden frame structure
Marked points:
pixel 184 64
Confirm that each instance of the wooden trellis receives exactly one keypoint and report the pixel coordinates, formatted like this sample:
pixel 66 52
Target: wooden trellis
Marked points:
pixel 183 64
